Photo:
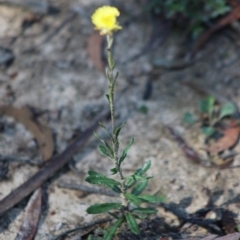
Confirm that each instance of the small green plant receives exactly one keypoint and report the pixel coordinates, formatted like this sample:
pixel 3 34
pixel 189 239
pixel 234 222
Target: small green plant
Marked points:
pixel 143 109
pixel 210 114
pixel 130 188
pixel 238 227
pixel 192 13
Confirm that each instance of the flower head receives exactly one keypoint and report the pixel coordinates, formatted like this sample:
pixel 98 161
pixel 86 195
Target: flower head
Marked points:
pixel 104 19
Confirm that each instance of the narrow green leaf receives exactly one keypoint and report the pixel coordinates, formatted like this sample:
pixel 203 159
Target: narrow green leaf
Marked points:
pixel 227 110
pixel 207 105
pixel 124 154
pixel 108 97
pixel 144 168
pixel 112 230
pixel 113 215
pixel 132 179
pixel 136 177
pixel 115 189
pixel 133 199
pixel 151 199
pixel 95 174
pixel 104 151
pixel 98 178
pixel 114 171
pixel 145 210
pixel 102 125
pixel 149 177
pixel 101 208
pixel 105 129
pixel 90 237
pixel 132 224
pixel 208 131
pixel 140 216
pixel 118 129
pixel 139 187
pixel 107 150
pixel 94 177
pixel 97 136
pixel 129 181
pixel 102 180
pixel 189 118
pixel 115 79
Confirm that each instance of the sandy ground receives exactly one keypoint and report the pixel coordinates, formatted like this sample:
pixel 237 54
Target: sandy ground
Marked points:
pixel 59 77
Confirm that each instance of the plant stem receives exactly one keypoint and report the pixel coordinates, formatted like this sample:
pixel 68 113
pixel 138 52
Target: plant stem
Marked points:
pixel 115 142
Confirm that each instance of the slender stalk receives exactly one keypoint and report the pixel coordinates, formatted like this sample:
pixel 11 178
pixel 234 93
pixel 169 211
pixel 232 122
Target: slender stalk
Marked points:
pixel 115 142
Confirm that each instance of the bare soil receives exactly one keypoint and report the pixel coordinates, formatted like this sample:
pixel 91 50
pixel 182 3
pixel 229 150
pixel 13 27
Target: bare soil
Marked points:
pixel 55 75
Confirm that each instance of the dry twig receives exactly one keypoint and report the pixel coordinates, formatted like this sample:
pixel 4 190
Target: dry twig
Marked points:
pixel 87 225
pixel 55 164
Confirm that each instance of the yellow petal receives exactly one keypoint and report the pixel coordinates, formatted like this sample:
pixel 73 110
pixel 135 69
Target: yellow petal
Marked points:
pixel 104 19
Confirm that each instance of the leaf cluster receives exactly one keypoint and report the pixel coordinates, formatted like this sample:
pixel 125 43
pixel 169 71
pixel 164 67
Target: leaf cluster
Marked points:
pixel 192 13
pixel 136 183
pixel 210 114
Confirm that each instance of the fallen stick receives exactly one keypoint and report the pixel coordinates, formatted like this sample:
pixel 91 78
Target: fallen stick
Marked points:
pixel 87 225
pixel 49 170
pixel 34 6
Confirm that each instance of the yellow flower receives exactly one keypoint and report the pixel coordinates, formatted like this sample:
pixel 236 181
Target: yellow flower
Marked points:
pixel 104 19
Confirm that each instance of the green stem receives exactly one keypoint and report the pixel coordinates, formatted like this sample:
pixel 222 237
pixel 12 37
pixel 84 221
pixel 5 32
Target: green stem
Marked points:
pixel 115 143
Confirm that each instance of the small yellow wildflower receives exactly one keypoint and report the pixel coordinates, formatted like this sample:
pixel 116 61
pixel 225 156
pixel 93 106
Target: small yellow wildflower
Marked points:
pixel 104 19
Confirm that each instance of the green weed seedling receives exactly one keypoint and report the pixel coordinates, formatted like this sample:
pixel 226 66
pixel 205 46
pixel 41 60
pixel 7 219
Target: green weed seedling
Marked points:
pixel 128 209
pixel 143 109
pixel 238 227
pixel 210 114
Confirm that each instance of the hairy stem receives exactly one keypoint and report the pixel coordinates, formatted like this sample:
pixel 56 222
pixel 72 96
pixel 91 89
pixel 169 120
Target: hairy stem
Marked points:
pixel 115 142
